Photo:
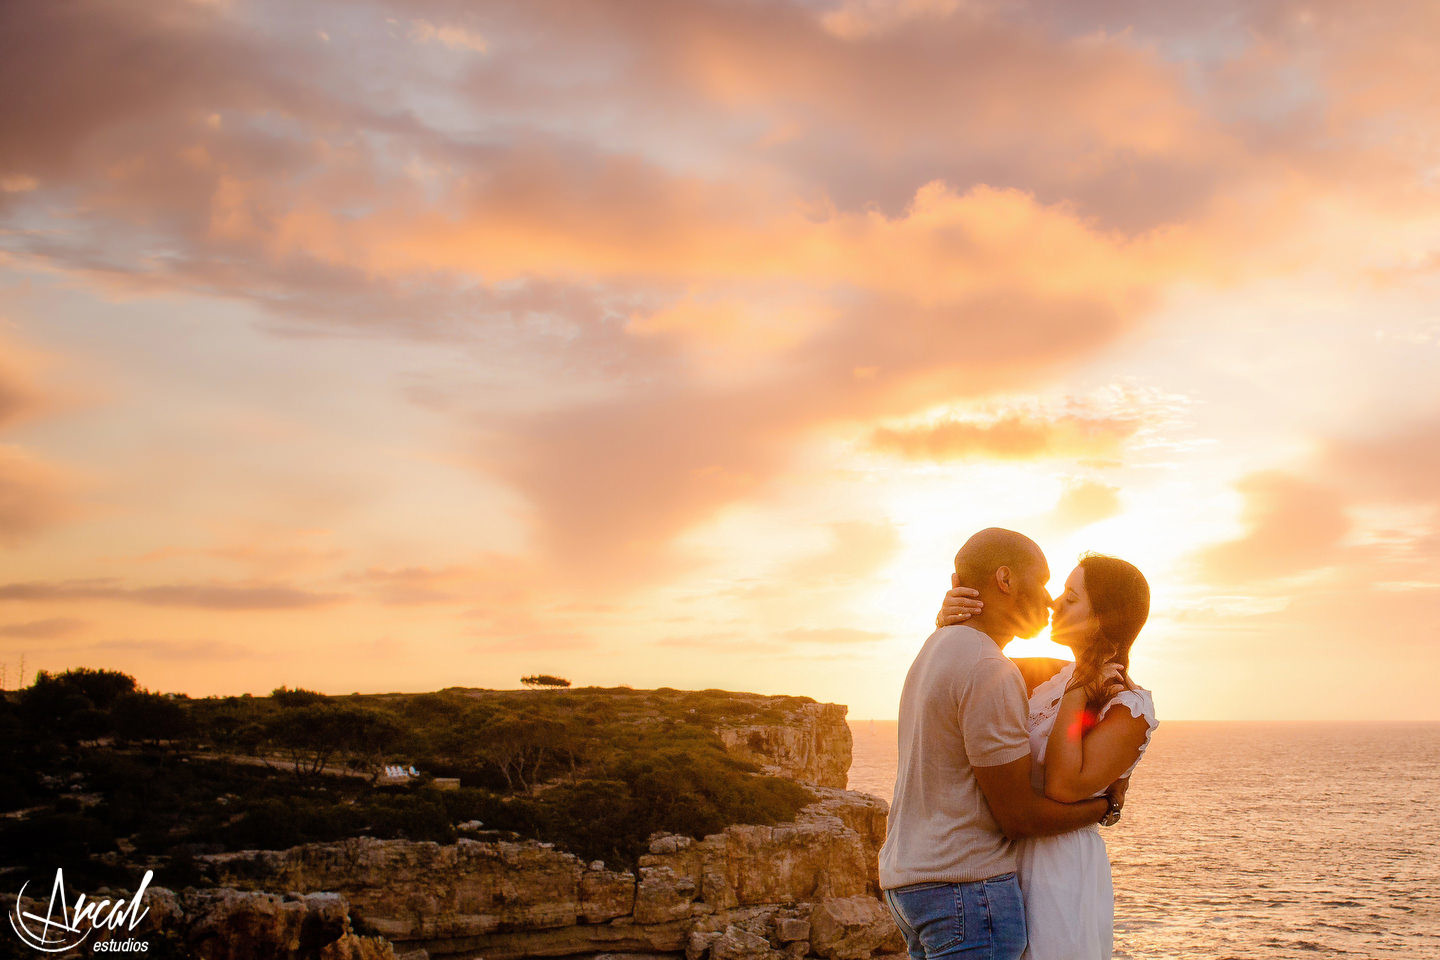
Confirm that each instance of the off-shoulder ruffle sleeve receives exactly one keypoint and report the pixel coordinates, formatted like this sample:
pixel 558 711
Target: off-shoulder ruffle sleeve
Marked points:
pixel 1140 704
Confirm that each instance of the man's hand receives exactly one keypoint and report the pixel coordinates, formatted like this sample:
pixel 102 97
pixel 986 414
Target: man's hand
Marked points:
pixel 1116 791
pixel 960 604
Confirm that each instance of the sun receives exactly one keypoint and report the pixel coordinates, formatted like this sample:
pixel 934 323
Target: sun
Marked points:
pixel 1039 645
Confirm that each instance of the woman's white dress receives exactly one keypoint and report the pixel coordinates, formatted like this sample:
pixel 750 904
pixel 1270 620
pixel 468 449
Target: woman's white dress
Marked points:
pixel 1069 902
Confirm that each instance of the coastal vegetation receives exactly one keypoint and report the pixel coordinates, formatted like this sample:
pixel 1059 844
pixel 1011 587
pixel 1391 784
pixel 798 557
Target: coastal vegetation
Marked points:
pixel 99 775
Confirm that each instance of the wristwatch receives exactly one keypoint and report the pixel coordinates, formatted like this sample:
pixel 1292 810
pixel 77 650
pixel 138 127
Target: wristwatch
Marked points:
pixel 1112 813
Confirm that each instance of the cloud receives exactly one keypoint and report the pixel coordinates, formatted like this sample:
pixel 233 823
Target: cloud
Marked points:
pixel 1012 437
pixel 857 549
pixel 447 35
pixel 20 396
pixel 1401 464
pixel 197 650
pixel 34 495
pixel 1364 507
pixel 1294 525
pixel 414 586
pixel 276 552
pixel 43 629
pixel 760 220
pixel 1086 502
pixel 832 636
pixel 646 467
pixel 727 644
pixel 855 19
pixel 209 596
pixel 534 641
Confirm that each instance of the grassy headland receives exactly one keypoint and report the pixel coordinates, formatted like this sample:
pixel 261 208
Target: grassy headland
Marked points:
pixel 99 776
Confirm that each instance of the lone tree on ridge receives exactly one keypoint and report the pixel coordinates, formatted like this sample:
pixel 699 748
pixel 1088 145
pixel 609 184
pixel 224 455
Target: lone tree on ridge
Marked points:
pixel 544 680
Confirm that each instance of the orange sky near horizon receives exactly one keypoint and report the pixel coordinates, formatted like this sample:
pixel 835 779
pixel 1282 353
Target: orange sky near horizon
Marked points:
pixel 389 346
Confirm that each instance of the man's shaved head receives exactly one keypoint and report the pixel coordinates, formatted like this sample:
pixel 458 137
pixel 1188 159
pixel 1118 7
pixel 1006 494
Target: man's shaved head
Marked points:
pixel 1010 571
pixel 993 548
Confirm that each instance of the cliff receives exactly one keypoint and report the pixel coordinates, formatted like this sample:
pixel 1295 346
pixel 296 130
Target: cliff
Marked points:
pixel 782 892
pixel 813 745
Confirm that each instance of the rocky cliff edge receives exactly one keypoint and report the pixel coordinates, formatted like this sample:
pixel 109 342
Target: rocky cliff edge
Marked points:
pixel 782 892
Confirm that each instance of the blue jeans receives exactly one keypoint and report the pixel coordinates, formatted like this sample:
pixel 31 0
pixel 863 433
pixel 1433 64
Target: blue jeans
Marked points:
pixel 983 919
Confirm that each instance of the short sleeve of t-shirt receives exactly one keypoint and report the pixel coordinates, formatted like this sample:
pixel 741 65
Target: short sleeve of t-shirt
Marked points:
pixel 993 714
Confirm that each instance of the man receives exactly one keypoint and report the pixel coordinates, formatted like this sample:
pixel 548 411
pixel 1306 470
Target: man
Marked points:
pixel 963 791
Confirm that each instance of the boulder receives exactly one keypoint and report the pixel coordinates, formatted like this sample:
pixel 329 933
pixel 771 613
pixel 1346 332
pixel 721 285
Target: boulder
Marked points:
pixel 853 928
pixel 736 943
pixel 792 929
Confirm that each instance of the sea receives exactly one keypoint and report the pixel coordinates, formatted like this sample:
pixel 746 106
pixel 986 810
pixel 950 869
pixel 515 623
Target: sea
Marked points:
pixel 1264 840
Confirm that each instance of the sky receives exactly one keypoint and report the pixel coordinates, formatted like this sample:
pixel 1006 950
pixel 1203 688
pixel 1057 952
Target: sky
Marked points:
pixel 380 346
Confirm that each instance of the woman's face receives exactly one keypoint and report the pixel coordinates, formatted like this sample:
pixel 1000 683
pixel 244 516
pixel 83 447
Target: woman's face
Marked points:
pixel 1073 621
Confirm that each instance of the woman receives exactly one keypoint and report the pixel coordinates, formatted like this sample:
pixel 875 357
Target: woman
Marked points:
pixel 1089 726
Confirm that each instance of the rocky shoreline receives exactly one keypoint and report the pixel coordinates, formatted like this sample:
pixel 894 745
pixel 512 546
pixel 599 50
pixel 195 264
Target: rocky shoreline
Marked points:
pixel 781 892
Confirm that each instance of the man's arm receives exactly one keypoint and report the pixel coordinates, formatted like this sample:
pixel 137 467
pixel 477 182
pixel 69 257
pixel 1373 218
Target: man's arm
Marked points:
pixel 1021 812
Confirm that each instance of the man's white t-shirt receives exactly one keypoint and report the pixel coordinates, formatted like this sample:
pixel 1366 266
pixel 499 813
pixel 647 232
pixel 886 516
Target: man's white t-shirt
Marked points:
pixel 963 706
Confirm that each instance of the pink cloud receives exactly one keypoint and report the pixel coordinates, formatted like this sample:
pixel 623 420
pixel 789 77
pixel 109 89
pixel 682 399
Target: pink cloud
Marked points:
pixel 973 198
pixel 1015 436
pixel 43 629
pixel 1294 525
pixel 210 596
pixel 34 496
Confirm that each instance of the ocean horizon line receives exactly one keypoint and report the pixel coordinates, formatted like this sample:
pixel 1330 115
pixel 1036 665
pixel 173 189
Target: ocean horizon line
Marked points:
pixel 1273 722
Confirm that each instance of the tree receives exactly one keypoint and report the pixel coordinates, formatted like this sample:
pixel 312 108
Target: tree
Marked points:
pixel 150 718
pixel 544 680
pixel 73 706
pixel 101 687
pixel 312 735
pixel 520 747
pixel 299 697
pixel 368 735
pixel 309 736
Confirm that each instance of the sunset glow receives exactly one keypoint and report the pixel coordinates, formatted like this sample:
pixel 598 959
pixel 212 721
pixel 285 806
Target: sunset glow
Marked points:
pixel 379 346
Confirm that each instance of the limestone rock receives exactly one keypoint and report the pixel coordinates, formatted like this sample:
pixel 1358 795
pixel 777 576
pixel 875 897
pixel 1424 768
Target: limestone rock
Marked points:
pixel 700 943
pixel 737 943
pixel 748 892
pixel 227 924
pixel 659 897
pixel 508 900
pixel 852 928
pixel 351 947
pixel 792 929
pixel 812 746
pixel 420 890
pixel 604 894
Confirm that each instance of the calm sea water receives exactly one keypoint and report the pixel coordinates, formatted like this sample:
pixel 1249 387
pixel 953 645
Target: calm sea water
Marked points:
pixel 1245 840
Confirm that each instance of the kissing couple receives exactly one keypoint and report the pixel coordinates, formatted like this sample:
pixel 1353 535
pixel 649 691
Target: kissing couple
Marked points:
pixel 993 846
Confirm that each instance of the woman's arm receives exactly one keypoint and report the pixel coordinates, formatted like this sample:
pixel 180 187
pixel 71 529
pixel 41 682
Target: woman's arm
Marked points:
pixel 1080 762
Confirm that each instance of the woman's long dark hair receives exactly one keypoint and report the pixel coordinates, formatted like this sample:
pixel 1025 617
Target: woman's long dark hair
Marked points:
pixel 1120 602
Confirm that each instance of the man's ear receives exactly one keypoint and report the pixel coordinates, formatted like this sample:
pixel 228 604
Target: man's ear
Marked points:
pixel 1003 580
